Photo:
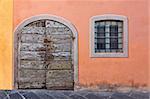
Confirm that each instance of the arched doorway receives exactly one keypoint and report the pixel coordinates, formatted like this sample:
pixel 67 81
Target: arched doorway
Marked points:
pixel 45 54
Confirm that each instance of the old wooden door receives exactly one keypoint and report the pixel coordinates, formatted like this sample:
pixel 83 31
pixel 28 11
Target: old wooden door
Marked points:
pixel 45 56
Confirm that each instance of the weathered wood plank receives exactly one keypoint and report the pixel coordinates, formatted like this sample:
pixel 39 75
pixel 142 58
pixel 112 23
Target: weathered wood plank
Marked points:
pixel 55 64
pixel 31 80
pixel 50 39
pixel 60 36
pixel 59 56
pixel 51 64
pixel 38 23
pixel 59 64
pixel 33 30
pixel 30 55
pixel 61 78
pixel 60 47
pixel 61 41
pixel 64 74
pixel 58 30
pixel 50 23
pixel 31 73
pixel 32 64
pixel 32 47
pixel 56 84
pixel 33 38
pixel 65 47
pixel 25 38
pixel 30 85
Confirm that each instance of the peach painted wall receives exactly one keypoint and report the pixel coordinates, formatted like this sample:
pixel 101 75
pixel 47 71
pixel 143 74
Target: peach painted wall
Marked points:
pixel 133 69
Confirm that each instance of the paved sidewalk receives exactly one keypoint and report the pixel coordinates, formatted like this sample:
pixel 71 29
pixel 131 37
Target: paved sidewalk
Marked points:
pixel 45 94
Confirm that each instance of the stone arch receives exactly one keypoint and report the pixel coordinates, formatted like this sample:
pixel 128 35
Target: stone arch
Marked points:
pixel 48 17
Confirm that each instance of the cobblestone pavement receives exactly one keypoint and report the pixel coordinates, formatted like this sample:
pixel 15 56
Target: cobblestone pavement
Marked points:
pixel 45 94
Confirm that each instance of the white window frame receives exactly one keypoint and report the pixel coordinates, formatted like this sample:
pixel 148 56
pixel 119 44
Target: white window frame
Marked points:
pixel 125 35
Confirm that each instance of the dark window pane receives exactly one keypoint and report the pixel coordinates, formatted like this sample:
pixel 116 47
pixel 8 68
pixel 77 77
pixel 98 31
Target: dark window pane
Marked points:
pixel 114 40
pixel 100 46
pixel 114 45
pixel 114 33
pixel 101 29
pixel 113 30
pixel 99 35
pixel 101 40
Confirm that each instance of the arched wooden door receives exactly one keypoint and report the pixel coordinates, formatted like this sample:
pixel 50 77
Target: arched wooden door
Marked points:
pixel 45 56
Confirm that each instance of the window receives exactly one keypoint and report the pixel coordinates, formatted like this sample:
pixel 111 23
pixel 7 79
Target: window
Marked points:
pixel 109 36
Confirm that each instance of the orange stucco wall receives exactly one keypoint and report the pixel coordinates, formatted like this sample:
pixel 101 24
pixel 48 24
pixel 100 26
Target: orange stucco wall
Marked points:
pixel 6 44
pixel 149 39
pixel 131 70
